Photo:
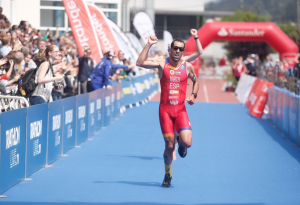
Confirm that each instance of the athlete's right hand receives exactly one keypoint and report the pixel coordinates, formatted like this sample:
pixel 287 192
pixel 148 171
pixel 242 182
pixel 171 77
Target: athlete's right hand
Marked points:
pixel 194 33
pixel 152 40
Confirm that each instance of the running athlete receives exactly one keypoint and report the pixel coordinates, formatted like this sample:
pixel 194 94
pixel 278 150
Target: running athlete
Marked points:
pixel 173 73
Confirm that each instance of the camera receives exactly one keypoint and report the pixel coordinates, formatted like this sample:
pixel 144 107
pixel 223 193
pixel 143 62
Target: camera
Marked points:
pixel 56 85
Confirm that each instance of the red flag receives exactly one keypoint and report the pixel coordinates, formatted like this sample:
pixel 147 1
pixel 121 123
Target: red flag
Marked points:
pixel 104 33
pixel 82 28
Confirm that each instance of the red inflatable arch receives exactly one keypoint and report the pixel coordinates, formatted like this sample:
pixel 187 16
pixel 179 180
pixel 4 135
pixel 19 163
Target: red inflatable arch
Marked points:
pixel 233 31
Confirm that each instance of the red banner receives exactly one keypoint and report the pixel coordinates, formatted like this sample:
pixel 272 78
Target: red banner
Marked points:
pixel 82 28
pixel 258 97
pixel 104 33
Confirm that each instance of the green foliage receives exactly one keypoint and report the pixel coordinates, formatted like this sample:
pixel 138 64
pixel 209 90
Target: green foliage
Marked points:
pixel 288 28
pixel 241 16
pixel 272 10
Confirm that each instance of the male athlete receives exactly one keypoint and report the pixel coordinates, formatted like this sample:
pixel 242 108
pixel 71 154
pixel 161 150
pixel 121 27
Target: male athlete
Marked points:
pixel 173 73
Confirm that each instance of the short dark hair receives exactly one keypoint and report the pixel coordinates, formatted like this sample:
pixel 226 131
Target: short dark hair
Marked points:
pixel 177 40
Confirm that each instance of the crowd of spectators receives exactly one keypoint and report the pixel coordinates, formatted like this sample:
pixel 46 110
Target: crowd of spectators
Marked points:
pixel 23 47
pixel 279 72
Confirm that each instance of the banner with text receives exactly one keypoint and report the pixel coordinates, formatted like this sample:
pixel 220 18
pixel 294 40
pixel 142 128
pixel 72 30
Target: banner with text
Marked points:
pixel 83 29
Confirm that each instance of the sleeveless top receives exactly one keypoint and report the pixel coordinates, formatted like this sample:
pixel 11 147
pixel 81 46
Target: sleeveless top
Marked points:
pixel 173 84
pixel 43 90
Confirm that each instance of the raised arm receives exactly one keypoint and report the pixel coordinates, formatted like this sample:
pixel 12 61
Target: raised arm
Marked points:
pixel 193 77
pixel 142 60
pixel 195 55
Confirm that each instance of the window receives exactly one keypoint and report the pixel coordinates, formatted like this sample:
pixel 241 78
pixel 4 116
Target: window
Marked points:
pixel 50 18
pixel 112 16
pixel 51 3
pixel 107 6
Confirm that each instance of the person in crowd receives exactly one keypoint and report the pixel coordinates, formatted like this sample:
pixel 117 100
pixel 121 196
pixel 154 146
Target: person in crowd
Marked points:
pixel 296 71
pixel 250 69
pixel 101 73
pixel 45 76
pixel 41 46
pixel 86 66
pixel 6 48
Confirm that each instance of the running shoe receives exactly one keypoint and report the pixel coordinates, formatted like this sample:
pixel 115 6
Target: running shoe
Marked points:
pixel 182 151
pixel 167 181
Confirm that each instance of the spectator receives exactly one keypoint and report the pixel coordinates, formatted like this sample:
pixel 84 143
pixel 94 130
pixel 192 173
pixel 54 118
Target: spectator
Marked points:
pixel 45 76
pixel 297 67
pixel 19 62
pixel 41 45
pixel 5 49
pixel 250 69
pixel 101 73
pixel 86 66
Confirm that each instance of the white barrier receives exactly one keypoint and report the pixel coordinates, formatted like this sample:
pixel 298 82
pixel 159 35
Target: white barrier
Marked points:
pixel 244 87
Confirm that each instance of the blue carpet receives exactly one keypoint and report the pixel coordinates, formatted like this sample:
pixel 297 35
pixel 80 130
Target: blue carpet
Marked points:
pixel 235 160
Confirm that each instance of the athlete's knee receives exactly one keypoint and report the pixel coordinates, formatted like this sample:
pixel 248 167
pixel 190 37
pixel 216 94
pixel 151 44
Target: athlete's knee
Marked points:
pixel 186 139
pixel 170 146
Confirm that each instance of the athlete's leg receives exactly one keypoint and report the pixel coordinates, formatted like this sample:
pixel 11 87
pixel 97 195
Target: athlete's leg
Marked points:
pixel 184 129
pixel 167 127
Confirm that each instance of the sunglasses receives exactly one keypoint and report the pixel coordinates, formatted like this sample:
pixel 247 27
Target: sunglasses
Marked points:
pixel 175 48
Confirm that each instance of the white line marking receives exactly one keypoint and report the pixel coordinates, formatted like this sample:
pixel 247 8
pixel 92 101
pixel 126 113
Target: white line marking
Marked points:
pixel 205 91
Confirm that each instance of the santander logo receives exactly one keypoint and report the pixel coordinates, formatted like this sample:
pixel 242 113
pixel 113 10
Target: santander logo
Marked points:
pixel 231 32
pixel 223 32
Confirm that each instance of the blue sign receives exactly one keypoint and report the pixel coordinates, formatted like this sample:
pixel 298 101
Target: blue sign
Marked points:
pixel 37 125
pixel 285 117
pixel 279 109
pixel 55 131
pixel 99 108
pixel 274 119
pixel 92 113
pixel 270 104
pixel 69 124
pixel 107 107
pixel 118 90
pixel 12 163
pixel 82 118
pixel 293 122
pixel 112 102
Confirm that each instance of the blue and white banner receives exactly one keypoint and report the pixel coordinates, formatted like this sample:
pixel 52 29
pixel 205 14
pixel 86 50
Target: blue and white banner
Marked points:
pixel 293 117
pixel 13 143
pixel 82 118
pixel 139 88
pixel 37 124
pixel 69 123
pixel 55 131
pixel 99 108
pixel 92 113
pixel 107 107
pixel 286 111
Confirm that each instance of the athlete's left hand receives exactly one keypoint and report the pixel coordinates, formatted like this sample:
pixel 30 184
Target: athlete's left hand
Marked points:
pixel 190 100
pixel 194 32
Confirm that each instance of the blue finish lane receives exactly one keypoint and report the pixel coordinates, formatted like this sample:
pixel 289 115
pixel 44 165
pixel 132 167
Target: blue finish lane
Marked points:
pixel 235 159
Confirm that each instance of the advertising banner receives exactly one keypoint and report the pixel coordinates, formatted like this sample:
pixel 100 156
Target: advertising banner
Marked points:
pixel 103 30
pixel 107 107
pixel 270 104
pixel 279 113
pixel 258 97
pixel 37 124
pixel 13 139
pixel 293 118
pixel 275 94
pixel 112 103
pixel 69 123
pixel 99 108
pixel 83 28
pixel 285 119
pixel 118 90
pixel 92 113
pixel 55 131
pixel 82 118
